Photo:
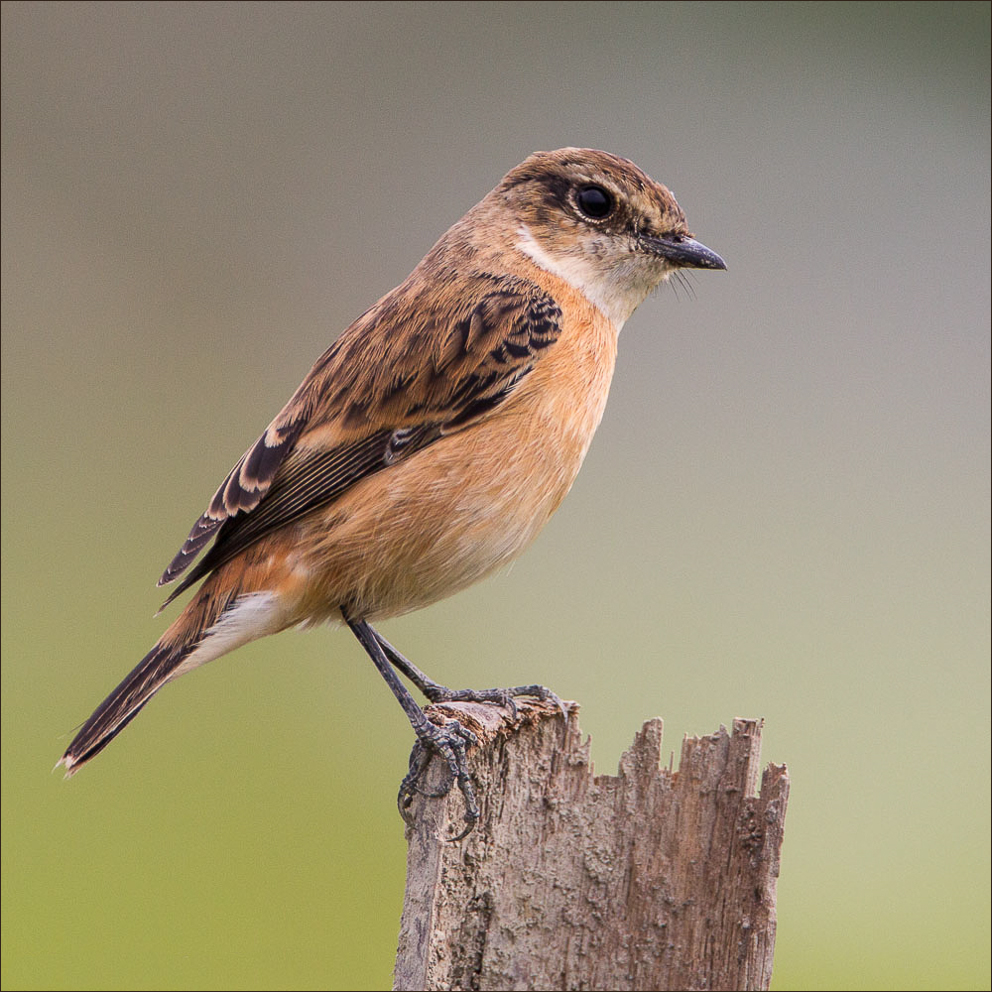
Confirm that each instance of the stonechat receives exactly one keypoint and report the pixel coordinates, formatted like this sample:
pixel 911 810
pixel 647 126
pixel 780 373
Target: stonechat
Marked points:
pixel 431 441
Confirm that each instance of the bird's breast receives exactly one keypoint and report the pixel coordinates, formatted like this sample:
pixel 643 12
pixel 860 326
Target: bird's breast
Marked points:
pixel 472 501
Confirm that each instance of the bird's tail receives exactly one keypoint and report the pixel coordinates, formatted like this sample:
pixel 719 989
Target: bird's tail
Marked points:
pixel 211 625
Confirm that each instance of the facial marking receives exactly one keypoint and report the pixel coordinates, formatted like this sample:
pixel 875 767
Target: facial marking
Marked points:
pixel 614 280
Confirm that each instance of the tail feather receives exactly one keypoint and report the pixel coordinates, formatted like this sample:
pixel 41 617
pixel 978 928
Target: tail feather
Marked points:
pixel 123 704
pixel 211 625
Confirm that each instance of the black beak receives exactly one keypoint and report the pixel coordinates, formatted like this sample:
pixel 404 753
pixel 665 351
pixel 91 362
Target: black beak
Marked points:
pixel 683 252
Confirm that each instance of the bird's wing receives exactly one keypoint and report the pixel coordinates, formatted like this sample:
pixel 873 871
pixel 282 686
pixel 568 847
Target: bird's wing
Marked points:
pixel 418 365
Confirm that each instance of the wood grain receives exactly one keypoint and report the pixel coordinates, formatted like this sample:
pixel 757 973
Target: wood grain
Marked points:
pixel 649 879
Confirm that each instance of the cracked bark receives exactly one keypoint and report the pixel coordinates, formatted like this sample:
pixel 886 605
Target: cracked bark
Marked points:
pixel 645 880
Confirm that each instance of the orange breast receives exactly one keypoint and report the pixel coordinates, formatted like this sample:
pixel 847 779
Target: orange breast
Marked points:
pixel 469 503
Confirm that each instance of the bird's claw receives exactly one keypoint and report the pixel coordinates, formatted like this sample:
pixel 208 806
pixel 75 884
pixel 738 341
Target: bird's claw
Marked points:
pixel 450 742
pixel 501 697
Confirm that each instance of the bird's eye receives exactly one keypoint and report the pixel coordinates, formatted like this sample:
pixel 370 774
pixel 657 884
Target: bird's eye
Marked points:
pixel 594 202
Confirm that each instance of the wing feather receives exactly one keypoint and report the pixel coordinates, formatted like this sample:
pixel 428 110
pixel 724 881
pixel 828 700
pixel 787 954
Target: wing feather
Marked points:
pixel 406 373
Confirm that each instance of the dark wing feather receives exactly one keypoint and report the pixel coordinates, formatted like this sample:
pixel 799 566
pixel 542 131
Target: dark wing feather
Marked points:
pixel 402 376
pixel 240 492
pixel 314 480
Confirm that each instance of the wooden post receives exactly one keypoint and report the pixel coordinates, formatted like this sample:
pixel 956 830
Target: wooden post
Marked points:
pixel 652 879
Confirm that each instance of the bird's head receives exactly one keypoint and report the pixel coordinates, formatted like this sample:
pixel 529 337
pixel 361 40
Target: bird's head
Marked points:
pixel 601 224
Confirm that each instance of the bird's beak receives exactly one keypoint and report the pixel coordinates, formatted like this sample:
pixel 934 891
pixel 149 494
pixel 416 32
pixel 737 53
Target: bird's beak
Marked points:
pixel 684 253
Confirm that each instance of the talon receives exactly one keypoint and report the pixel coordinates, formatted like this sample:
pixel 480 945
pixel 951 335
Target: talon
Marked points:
pixel 449 741
pixel 501 697
pixel 419 759
pixel 556 699
pixel 471 821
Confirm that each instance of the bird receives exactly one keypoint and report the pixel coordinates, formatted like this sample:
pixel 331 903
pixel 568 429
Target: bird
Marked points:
pixel 430 443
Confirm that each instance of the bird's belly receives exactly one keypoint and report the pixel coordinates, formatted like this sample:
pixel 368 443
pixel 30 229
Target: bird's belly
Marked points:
pixel 450 515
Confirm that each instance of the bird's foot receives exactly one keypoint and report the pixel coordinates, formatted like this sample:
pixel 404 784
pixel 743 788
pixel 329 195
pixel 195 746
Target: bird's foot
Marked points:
pixel 449 741
pixel 501 697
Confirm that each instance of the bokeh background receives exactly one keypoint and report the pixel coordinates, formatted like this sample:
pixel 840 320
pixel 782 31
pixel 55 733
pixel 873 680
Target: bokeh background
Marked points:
pixel 784 514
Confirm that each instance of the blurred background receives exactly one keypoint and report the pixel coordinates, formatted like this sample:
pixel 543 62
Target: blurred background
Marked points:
pixel 784 514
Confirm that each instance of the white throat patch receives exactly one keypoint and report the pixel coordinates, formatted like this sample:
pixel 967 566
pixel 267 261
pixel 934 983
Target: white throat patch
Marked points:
pixel 616 291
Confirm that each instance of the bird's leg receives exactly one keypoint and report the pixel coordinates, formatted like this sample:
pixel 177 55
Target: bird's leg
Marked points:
pixel 449 741
pixel 437 693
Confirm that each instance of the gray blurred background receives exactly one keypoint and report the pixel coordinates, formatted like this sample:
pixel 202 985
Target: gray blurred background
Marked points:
pixel 784 514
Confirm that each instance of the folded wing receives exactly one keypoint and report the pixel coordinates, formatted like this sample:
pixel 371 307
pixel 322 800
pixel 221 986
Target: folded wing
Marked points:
pixel 404 375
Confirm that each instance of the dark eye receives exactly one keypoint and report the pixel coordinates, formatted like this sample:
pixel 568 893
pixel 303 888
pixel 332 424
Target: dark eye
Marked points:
pixel 594 202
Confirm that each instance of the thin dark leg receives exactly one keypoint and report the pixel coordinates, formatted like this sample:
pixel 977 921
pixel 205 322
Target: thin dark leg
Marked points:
pixel 437 693
pixel 449 741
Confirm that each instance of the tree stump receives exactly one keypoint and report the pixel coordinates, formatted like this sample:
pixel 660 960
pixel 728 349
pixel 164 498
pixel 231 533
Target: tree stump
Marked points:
pixel 650 879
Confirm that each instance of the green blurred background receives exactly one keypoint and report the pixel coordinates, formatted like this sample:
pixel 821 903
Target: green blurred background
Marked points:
pixel 784 514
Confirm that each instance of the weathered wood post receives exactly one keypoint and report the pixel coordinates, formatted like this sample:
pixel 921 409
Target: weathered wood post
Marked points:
pixel 651 879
